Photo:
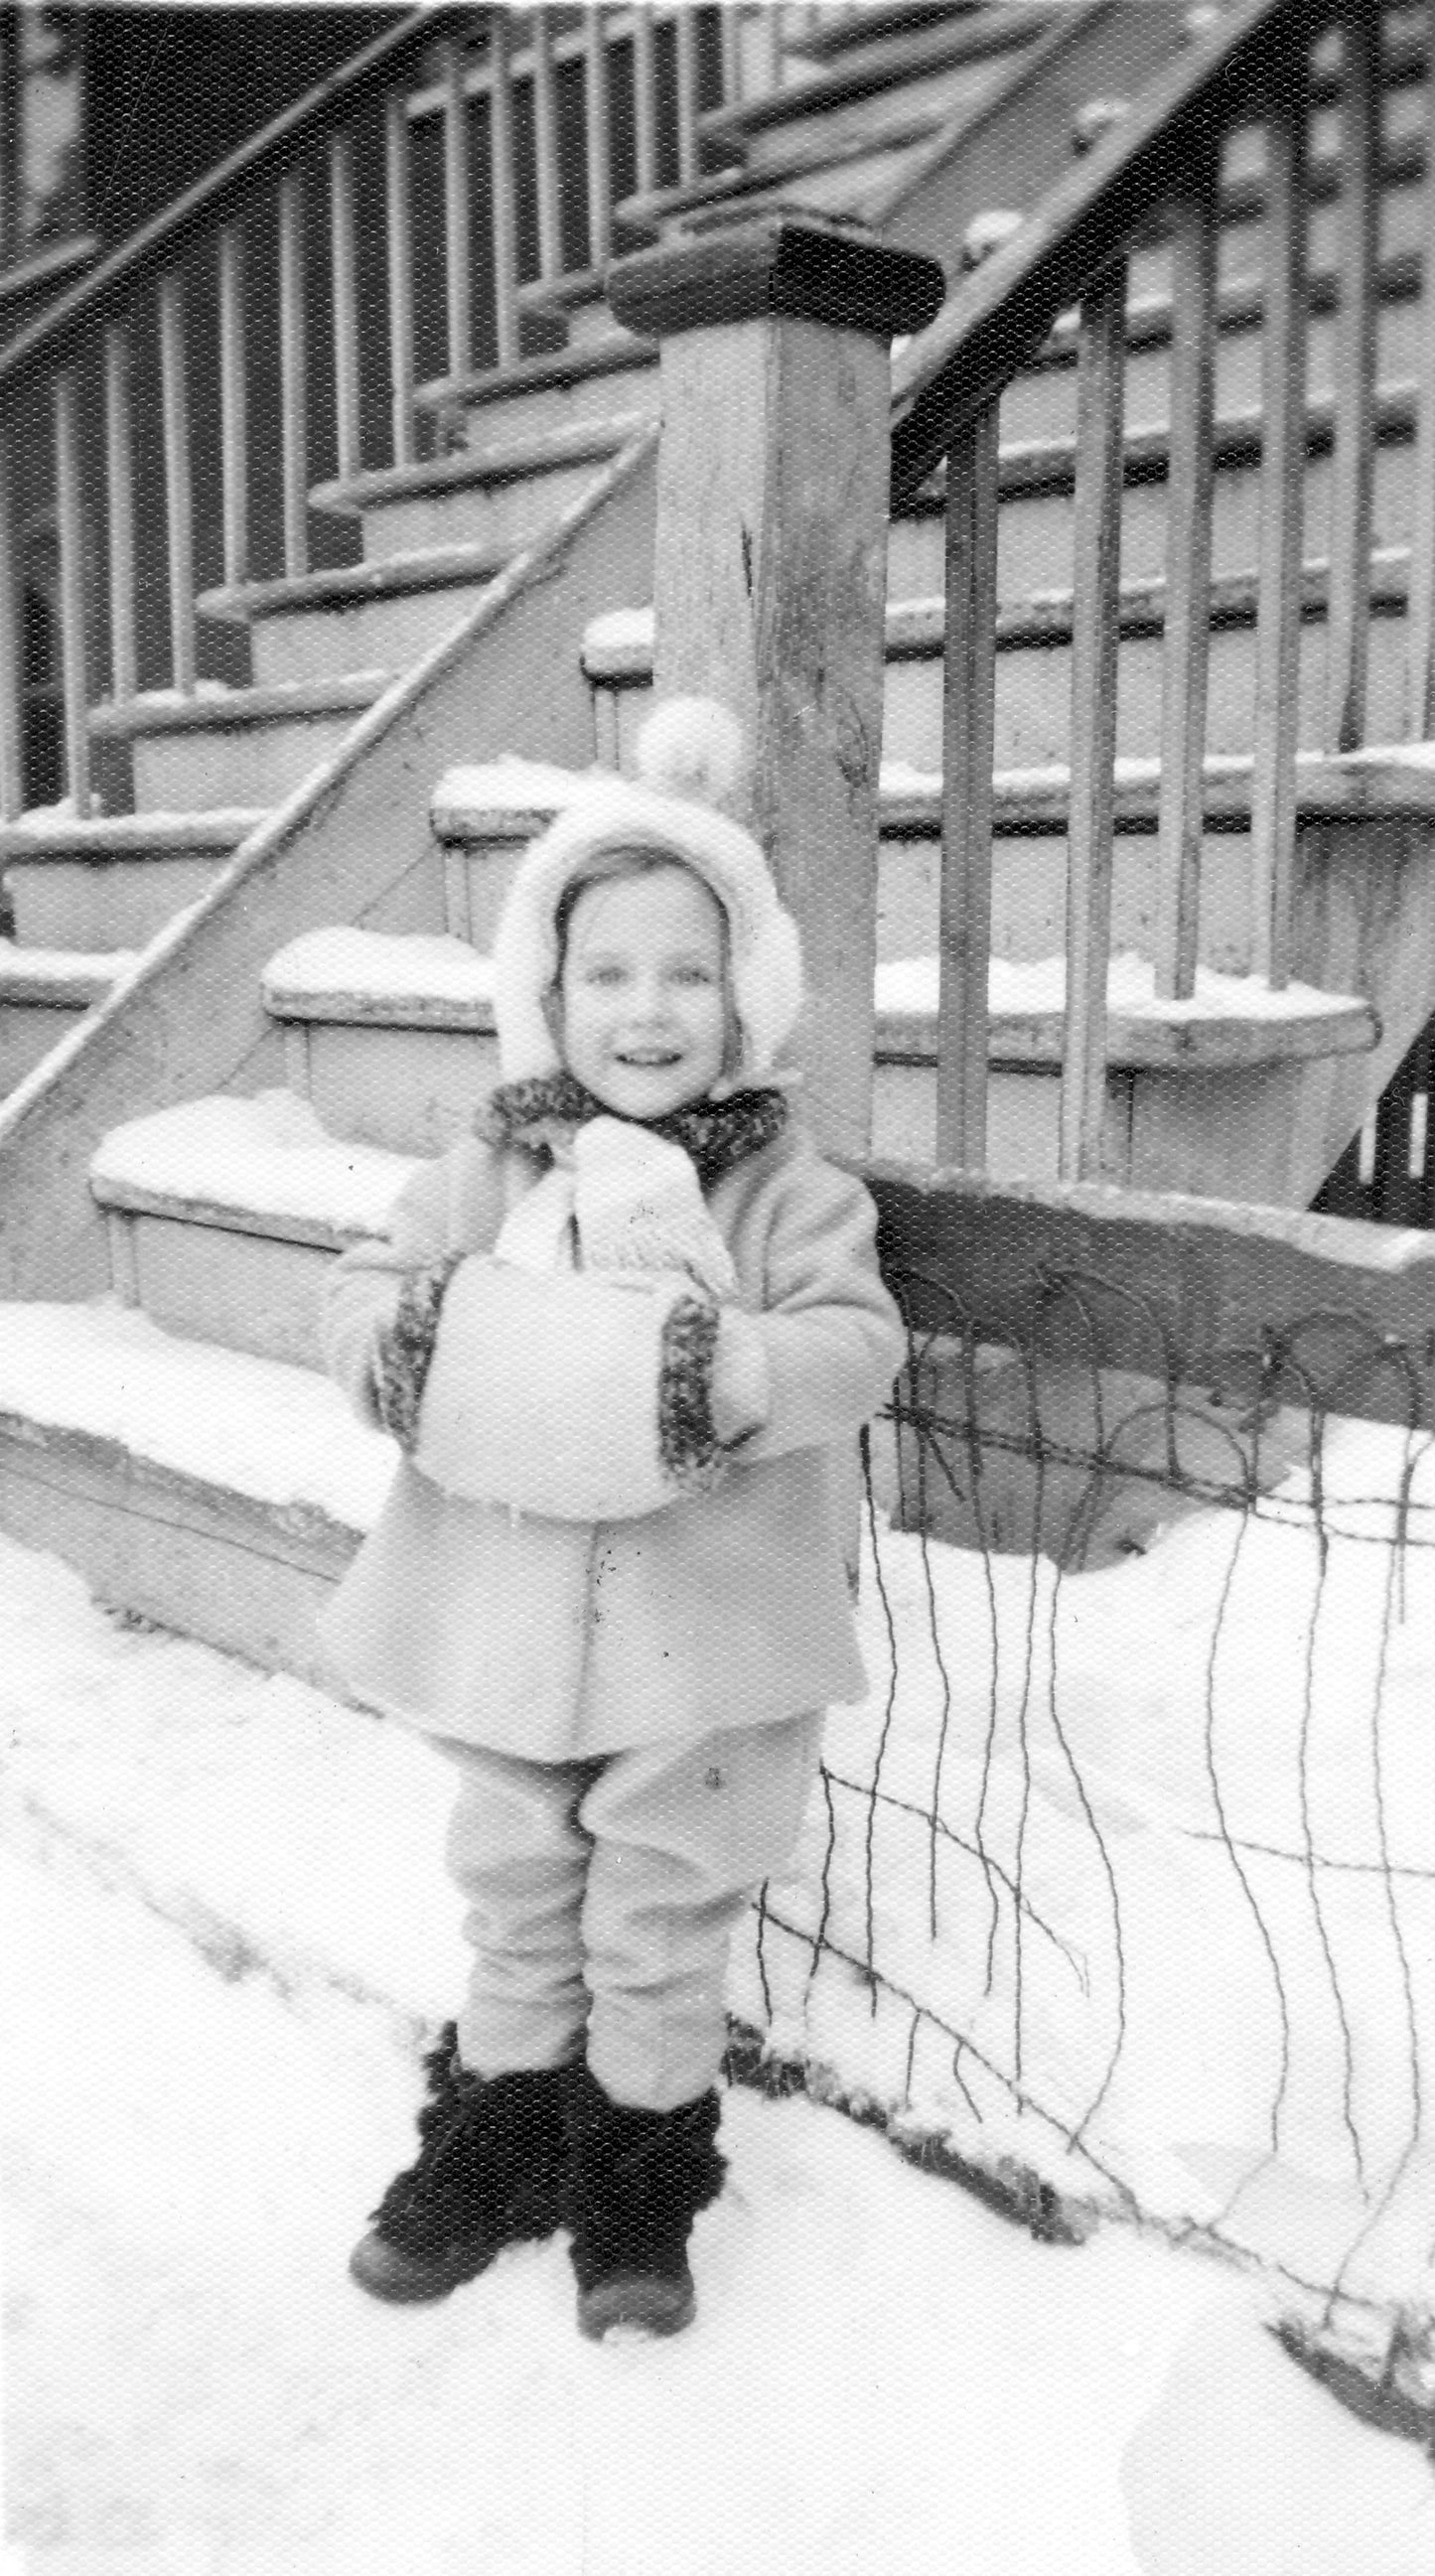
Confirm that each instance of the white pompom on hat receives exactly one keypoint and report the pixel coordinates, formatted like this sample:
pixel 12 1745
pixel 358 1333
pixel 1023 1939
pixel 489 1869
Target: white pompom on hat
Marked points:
pixel 692 776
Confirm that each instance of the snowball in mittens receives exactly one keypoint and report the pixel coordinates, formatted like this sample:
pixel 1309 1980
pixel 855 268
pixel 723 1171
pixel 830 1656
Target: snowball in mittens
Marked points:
pixel 639 1205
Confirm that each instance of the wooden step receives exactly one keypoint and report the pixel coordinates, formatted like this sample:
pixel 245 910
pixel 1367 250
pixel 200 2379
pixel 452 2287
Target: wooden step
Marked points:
pixel 894 89
pixel 617 374
pixel 498 490
pixel 390 1039
pixel 370 616
pixel 43 992
pixel 1034 669
pixel 112 881
pixel 215 1492
pixel 225 747
pixel 1202 1095
pixel 225 1212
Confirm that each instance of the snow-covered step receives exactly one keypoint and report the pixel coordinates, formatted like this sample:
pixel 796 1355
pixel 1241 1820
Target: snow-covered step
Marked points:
pixel 482 816
pixel 111 881
pixel 217 1492
pixel 1033 683
pixel 566 389
pixel 1200 1094
pixel 319 625
pixel 42 993
pixel 226 746
pixel 496 491
pixel 389 1038
pixel 224 1214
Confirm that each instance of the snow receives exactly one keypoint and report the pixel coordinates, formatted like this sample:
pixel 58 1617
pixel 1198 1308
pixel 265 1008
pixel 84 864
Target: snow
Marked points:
pixel 1210 1770
pixel 1038 985
pixel 378 966
pixel 223 1911
pixel 281 1434
pixel 269 1156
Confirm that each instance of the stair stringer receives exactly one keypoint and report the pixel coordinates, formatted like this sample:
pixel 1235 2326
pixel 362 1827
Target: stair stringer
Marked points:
pixel 1365 923
pixel 351 845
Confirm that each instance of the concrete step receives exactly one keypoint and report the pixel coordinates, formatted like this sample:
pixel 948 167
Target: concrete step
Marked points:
pixel 224 1214
pixel 226 747
pixel 502 488
pixel 43 993
pixel 370 616
pixel 218 1493
pixel 112 881
pixel 389 1039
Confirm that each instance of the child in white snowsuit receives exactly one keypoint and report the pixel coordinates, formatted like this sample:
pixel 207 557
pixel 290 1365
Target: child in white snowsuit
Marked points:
pixel 625 1334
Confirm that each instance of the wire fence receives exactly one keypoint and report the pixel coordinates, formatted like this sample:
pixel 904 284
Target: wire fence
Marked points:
pixel 1118 1891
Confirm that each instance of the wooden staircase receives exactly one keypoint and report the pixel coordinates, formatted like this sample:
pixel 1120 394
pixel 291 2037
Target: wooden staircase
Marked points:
pixel 292 922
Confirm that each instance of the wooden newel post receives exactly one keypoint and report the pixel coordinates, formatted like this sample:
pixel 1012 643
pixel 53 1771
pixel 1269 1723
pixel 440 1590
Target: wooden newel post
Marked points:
pixel 770 576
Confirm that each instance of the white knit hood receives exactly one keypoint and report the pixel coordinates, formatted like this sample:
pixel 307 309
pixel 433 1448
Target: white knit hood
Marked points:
pixel 692 775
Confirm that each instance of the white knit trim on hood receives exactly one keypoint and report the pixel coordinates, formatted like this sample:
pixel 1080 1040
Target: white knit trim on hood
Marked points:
pixel 692 772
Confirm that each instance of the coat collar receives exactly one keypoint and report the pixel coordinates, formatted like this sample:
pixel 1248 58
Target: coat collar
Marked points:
pixel 541 1115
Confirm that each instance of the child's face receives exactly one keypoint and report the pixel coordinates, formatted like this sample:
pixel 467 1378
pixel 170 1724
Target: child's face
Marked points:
pixel 643 991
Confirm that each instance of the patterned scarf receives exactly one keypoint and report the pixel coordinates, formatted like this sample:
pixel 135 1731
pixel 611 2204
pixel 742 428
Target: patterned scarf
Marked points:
pixel 542 1113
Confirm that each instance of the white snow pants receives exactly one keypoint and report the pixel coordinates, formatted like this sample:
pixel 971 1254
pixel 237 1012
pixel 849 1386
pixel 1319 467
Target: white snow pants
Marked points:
pixel 602 1898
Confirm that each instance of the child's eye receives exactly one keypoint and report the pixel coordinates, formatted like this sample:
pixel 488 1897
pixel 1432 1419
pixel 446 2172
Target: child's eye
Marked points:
pixel 693 975
pixel 606 975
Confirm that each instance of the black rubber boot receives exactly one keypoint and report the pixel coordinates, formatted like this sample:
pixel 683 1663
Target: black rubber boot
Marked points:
pixel 637 2181
pixel 489 2173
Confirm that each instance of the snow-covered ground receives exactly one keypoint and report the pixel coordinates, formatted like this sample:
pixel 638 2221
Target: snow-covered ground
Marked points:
pixel 225 1924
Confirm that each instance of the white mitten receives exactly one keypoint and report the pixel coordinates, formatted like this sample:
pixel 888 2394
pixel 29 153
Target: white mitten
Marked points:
pixel 639 1206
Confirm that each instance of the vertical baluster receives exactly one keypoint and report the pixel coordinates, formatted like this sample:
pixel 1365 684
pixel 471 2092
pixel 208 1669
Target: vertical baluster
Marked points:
pixel 1095 632
pixel 12 739
pixel 293 373
pixel 233 406
pixel 503 175
pixel 1420 664
pixel 69 512
pixel 178 491
pixel 730 21
pixel 545 148
pixel 686 36
pixel 399 230
pixel 344 270
pixel 1278 601
pixel 458 271
pixel 645 101
pixel 1188 581
pixel 597 123
pixel 1352 484
pixel 968 745
pixel 120 510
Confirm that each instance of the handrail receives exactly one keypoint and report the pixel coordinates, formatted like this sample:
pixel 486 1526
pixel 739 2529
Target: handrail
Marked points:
pixel 1001 314
pixel 1155 178
pixel 168 234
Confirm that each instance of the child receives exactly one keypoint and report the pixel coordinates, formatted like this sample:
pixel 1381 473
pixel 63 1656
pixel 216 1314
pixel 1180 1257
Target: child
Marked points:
pixel 622 1334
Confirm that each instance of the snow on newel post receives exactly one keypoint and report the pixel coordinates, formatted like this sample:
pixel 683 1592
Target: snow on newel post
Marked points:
pixel 770 576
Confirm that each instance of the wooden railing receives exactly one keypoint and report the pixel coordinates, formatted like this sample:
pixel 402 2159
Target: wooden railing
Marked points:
pixel 1157 173
pixel 305 312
